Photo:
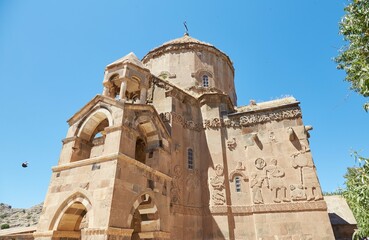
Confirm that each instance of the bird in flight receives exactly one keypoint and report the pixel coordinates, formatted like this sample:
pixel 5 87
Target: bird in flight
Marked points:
pixel 25 164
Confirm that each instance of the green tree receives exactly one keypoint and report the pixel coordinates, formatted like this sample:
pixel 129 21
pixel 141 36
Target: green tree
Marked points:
pixel 357 194
pixel 354 57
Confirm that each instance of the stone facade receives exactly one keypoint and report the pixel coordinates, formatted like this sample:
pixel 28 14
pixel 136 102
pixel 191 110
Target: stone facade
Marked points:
pixel 164 153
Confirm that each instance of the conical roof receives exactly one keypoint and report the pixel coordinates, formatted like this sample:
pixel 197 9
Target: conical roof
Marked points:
pixel 129 58
pixel 186 39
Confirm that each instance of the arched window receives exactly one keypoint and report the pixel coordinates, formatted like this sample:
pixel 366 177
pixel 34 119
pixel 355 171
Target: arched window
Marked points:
pixel 237 182
pixel 205 81
pixel 190 158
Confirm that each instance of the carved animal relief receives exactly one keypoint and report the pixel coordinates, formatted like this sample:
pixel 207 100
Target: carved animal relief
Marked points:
pixel 231 144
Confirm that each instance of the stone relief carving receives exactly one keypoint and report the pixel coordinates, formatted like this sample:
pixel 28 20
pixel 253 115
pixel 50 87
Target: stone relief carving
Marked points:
pixel 217 182
pixel 275 175
pixel 260 163
pixel 230 123
pixel 166 116
pixel 231 144
pixel 175 190
pixel 270 176
pixel 216 123
pixel 258 180
pixel 256 185
pixel 250 119
pixel 175 117
pixel 291 134
pixel 297 192
pixel 272 137
pixel 165 74
pixel 212 123
pixel 308 179
pixel 238 171
pixel 200 89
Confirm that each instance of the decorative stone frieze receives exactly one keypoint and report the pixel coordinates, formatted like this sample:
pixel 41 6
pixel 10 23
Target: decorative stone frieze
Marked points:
pixel 175 117
pixel 248 119
pixel 201 90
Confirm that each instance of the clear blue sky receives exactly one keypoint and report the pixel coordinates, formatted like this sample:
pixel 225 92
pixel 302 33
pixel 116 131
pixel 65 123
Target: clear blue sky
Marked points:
pixel 53 55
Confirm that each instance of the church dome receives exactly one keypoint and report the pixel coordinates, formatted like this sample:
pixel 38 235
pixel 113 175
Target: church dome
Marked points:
pixel 185 42
pixel 193 66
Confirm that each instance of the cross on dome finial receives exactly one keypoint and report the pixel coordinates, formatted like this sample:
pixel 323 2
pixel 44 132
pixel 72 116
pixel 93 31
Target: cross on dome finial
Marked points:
pixel 185 25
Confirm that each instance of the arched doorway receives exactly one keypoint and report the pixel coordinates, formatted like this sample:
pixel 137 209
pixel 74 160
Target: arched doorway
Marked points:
pixel 73 219
pixel 145 217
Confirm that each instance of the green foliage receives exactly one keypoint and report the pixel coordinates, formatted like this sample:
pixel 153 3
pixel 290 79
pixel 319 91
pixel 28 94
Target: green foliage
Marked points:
pixel 337 192
pixel 5 226
pixel 357 194
pixel 354 57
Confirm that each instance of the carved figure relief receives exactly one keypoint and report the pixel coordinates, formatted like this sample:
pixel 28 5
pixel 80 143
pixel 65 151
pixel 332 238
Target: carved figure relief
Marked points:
pixel 175 190
pixel 256 185
pixel 231 144
pixel 217 182
pixel 308 178
pixel 260 163
pixel 258 180
pixel 275 175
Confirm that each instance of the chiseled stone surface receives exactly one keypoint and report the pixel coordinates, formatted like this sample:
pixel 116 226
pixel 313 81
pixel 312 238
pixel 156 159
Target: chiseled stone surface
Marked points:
pixel 165 153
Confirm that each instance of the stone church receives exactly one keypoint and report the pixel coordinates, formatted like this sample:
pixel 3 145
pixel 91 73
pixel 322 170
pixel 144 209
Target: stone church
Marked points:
pixel 165 153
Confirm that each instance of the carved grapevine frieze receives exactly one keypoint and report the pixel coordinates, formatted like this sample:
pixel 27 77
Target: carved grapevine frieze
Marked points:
pixel 243 121
pixel 175 117
pixel 250 119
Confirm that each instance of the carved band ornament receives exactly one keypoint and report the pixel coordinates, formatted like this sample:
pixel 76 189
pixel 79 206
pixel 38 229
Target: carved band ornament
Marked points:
pixel 234 122
pixel 188 124
pixel 254 118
